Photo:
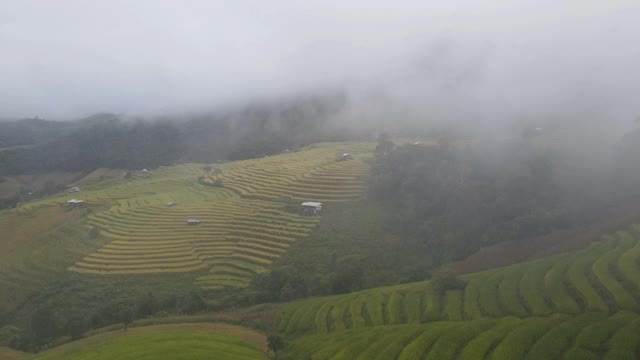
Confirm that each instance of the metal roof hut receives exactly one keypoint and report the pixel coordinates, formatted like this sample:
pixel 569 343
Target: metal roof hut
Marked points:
pixel 171 204
pixel 345 156
pixel 193 221
pixel 311 208
pixel 75 203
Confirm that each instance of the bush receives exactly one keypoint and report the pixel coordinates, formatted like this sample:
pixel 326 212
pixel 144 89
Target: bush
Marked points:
pixel 275 342
pixel 446 279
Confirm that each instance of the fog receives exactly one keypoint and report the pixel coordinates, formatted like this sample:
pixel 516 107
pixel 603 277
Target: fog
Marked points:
pixel 483 63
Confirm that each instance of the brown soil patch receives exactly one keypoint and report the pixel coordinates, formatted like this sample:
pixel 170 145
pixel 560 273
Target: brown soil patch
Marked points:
pixel 611 219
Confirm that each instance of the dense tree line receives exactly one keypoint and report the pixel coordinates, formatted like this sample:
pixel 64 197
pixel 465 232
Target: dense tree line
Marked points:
pixel 457 200
pixel 34 131
pixel 106 140
pixel 456 196
pixel 46 325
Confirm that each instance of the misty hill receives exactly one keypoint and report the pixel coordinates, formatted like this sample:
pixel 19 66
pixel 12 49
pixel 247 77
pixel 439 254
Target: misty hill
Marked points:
pixel 106 140
pixel 393 213
pixel 32 132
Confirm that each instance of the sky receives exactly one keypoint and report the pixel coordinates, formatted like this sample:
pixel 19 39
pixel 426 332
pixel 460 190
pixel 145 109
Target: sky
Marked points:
pixel 454 60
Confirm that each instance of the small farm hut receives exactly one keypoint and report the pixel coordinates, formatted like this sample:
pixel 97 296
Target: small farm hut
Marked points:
pixel 75 203
pixel 345 156
pixel 73 189
pixel 170 204
pixel 311 208
pixel 193 221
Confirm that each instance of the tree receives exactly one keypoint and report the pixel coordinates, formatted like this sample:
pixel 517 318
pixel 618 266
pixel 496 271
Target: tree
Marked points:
pixel 148 305
pixel 43 326
pixel 445 279
pixel 76 326
pixel 275 343
pixel 384 145
pixel 126 316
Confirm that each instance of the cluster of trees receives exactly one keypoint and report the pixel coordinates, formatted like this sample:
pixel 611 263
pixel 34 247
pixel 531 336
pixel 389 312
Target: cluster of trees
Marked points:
pixel 28 194
pixel 453 197
pixel 33 131
pixel 47 325
pixel 456 200
pixel 105 140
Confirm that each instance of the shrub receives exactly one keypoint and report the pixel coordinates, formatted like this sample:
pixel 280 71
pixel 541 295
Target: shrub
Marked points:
pixel 275 343
pixel 446 279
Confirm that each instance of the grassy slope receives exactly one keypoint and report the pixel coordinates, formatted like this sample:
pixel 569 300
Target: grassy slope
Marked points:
pixel 183 341
pixel 561 300
pixel 10 354
pixel 587 336
pixel 42 240
pixel 12 184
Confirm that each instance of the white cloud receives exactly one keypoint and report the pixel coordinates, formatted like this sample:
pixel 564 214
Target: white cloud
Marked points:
pixel 69 58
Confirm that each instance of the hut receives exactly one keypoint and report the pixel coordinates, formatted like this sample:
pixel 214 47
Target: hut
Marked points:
pixel 193 221
pixel 75 203
pixel 311 208
pixel 345 156
pixel 171 204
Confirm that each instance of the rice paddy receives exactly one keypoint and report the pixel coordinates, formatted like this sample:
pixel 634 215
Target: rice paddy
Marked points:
pixel 244 225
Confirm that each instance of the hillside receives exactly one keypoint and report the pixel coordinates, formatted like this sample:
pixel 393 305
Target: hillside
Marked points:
pixel 581 305
pixel 129 253
pixel 183 341
pixel 126 239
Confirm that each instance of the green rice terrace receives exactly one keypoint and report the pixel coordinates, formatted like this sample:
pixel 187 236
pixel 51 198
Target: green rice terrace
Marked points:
pixel 581 305
pixel 182 341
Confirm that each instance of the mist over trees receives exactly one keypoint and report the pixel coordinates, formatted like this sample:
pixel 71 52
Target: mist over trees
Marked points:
pixel 457 196
pixel 105 140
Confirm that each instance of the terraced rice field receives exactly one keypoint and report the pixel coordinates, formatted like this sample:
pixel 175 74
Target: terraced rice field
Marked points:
pixel 309 175
pixel 603 278
pixel 235 239
pixel 585 337
pixel 244 224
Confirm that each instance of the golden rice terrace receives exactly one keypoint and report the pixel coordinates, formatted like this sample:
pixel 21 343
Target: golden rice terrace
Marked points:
pixel 231 219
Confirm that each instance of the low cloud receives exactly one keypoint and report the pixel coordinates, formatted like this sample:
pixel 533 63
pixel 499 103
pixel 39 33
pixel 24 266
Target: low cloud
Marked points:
pixel 456 61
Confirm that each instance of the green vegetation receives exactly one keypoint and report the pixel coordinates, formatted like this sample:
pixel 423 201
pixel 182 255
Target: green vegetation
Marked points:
pixel 237 238
pixel 504 338
pixel 76 263
pixel 130 254
pixel 568 284
pixel 591 299
pixel 165 342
